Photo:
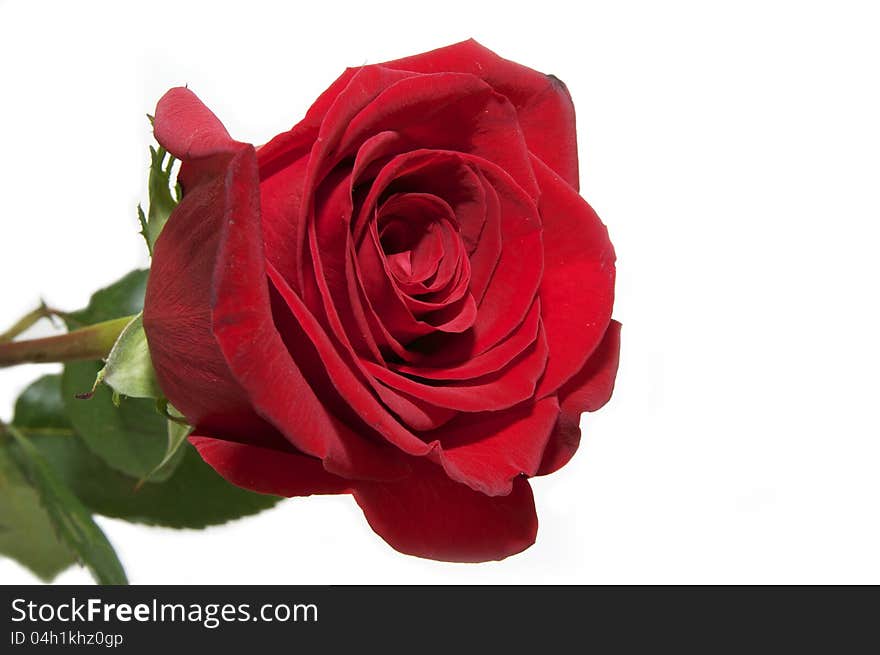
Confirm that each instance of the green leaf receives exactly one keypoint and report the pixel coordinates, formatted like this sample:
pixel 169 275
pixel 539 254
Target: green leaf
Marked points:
pixel 129 369
pixel 125 297
pixel 131 438
pixel 162 200
pixel 194 496
pixel 40 408
pixel 27 534
pixel 71 519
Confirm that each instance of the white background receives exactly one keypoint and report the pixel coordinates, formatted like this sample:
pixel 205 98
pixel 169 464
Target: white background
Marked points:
pixel 733 149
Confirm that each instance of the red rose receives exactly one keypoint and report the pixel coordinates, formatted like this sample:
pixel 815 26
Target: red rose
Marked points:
pixel 403 298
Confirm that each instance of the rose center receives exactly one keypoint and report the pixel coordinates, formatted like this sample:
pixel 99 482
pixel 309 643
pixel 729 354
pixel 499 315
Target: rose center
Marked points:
pixel 418 235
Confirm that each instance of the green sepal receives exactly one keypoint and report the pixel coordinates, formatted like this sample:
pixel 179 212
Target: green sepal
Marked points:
pixel 128 434
pixel 164 196
pixel 178 430
pixel 130 437
pixel 128 369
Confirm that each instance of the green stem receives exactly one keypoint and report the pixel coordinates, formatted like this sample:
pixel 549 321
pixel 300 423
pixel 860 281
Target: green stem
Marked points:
pixel 26 321
pixel 92 342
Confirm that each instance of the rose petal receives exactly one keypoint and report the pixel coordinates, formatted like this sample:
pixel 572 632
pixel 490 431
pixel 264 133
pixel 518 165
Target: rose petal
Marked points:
pixel 266 470
pixel 591 388
pixel 577 290
pixel 404 317
pixel 282 189
pixel 542 102
pixel 343 369
pixel 429 515
pixel 416 413
pixel 488 451
pixel 486 252
pixel 514 280
pixel 444 174
pixel 491 361
pixel 187 128
pixel 492 392
pixel 585 392
pixel 334 110
pixel 445 111
pixel 256 354
pixel 177 315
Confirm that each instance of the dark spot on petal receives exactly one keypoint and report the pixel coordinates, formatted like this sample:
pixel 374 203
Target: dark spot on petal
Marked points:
pixel 556 81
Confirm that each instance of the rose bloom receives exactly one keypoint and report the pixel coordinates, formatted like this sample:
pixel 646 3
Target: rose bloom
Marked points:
pixel 403 298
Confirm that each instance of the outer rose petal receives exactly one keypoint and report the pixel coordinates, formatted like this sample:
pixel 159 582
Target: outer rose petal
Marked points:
pixel 186 127
pixel 591 388
pixel 268 471
pixel 429 515
pixel 207 315
pixel 542 102
pixel 585 392
pixel 577 290
pixel 177 316
pixel 489 450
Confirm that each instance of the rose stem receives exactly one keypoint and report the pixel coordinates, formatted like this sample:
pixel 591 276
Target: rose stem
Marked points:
pixel 92 342
pixel 26 321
